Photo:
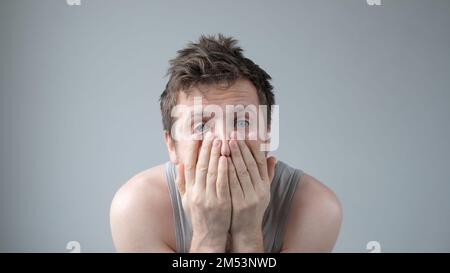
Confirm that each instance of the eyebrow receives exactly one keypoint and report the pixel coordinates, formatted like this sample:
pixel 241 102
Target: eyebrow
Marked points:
pixel 244 109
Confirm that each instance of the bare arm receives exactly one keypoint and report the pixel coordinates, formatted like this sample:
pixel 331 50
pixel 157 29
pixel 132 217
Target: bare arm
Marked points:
pixel 138 216
pixel 315 218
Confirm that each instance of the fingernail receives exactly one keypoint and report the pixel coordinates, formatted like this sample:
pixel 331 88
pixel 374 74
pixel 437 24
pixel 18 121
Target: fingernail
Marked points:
pixel 274 159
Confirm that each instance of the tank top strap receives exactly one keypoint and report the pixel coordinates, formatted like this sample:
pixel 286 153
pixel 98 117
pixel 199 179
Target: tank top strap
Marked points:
pixel 183 230
pixel 282 190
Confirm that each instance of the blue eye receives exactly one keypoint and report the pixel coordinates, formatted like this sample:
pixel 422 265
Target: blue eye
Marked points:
pixel 242 123
pixel 201 128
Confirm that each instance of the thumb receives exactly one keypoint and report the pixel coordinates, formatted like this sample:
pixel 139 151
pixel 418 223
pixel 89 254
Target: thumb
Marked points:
pixel 180 180
pixel 271 163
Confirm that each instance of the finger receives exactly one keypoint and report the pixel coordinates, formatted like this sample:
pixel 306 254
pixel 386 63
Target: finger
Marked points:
pixel 223 186
pixel 203 161
pixel 191 162
pixel 271 165
pixel 241 168
pixel 180 180
pixel 260 158
pixel 250 162
pixel 235 187
pixel 211 178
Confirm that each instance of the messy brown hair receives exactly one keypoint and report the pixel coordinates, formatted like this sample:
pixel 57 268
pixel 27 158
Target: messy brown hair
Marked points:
pixel 212 60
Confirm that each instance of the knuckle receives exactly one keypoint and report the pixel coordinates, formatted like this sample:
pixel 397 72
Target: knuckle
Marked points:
pixel 252 164
pixel 211 205
pixel 261 189
pixel 196 200
pixel 233 181
pixel 264 197
pixel 189 167
pixel 205 146
pixel 252 203
pixel 202 169
pixel 243 172
pixel 260 161
pixel 215 150
pixel 247 206
pixel 212 174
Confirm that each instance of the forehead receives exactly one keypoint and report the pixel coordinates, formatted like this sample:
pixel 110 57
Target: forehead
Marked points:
pixel 242 91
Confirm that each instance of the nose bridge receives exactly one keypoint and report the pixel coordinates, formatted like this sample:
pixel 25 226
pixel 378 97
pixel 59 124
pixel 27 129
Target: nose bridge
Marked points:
pixel 223 133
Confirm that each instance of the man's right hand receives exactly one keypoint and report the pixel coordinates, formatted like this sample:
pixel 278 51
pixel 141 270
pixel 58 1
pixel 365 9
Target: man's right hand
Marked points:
pixel 204 188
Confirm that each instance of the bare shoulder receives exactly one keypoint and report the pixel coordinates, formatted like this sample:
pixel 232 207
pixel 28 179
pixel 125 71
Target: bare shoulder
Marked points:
pixel 315 218
pixel 140 214
pixel 312 192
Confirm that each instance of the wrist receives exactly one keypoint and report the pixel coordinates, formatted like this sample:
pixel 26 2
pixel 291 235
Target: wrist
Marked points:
pixel 248 241
pixel 206 244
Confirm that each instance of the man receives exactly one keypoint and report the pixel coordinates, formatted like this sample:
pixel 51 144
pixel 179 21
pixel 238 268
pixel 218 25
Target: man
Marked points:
pixel 221 192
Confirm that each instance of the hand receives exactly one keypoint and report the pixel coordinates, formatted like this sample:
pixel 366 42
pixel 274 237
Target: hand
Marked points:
pixel 250 176
pixel 204 188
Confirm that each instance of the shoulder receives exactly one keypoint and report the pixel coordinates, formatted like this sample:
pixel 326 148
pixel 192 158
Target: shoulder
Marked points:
pixel 313 193
pixel 138 189
pixel 315 217
pixel 138 214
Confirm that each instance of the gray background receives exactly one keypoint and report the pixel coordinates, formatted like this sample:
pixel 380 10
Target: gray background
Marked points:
pixel 364 95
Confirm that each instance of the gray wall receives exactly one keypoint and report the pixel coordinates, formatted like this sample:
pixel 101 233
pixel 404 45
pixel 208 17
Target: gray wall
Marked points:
pixel 364 95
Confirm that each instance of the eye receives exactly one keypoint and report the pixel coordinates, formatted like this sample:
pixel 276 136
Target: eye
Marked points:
pixel 201 128
pixel 242 123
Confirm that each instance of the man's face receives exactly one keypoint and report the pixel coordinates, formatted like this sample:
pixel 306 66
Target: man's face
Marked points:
pixel 222 110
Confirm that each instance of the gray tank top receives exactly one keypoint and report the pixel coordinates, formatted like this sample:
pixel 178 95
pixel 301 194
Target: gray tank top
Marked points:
pixel 282 189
